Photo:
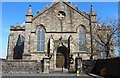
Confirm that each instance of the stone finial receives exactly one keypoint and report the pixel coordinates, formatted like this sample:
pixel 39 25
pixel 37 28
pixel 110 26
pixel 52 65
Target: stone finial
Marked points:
pixel 91 5
pixel 29 15
pixel 46 7
pixel 69 2
pixel 11 27
pixel 109 27
pixel 38 12
pixel 76 7
pixel 84 12
pixel 17 24
pixel 30 5
pixel 91 11
pixel 23 27
pixel 95 14
pixel 88 14
pixel 29 11
pixel 52 3
pixel 103 26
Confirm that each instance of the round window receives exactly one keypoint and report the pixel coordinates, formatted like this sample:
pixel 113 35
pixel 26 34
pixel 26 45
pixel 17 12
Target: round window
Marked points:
pixel 61 15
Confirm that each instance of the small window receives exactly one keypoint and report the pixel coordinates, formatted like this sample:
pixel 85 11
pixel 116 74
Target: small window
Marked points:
pixel 61 15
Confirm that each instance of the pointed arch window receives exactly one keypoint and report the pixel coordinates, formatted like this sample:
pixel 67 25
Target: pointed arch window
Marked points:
pixel 82 39
pixel 40 38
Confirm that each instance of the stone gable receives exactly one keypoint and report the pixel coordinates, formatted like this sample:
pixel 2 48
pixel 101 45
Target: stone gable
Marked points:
pixel 50 19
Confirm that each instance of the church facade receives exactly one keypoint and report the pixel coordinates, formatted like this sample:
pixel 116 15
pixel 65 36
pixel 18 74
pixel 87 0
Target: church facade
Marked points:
pixel 59 32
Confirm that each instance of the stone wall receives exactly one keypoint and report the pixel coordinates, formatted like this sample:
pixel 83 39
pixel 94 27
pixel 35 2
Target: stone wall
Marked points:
pixel 12 42
pixel 107 68
pixel 21 66
pixel 52 23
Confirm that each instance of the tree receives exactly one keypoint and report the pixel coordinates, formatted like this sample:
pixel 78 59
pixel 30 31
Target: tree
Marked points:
pixel 106 35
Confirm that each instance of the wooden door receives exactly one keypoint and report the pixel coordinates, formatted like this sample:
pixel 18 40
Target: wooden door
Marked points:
pixel 60 60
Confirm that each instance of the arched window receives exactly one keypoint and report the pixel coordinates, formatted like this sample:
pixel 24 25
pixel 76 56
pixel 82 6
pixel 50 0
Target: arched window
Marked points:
pixel 40 39
pixel 82 39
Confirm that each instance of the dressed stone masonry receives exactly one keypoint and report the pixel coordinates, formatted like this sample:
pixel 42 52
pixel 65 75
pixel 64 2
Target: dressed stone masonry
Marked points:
pixel 58 32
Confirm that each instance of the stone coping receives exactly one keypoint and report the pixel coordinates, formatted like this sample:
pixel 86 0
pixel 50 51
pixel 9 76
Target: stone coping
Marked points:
pixel 5 60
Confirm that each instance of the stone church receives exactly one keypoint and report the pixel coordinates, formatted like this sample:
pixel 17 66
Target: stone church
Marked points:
pixel 58 32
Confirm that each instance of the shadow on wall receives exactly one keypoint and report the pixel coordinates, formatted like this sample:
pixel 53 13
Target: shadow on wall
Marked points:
pixel 19 48
pixel 108 68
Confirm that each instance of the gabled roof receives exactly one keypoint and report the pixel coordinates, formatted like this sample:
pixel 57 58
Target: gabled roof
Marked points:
pixel 76 10
pixel 86 16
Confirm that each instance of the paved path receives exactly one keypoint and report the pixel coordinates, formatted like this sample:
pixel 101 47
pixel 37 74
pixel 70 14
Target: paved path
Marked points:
pixel 51 75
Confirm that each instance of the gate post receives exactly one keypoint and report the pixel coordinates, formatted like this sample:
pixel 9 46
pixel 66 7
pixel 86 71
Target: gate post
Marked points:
pixel 46 64
pixel 78 62
pixel 71 64
pixel 51 62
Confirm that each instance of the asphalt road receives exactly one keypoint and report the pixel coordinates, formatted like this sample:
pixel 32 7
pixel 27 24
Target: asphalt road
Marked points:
pixel 51 75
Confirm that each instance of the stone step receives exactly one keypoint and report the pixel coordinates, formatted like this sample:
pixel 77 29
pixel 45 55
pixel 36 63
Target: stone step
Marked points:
pixel 60 70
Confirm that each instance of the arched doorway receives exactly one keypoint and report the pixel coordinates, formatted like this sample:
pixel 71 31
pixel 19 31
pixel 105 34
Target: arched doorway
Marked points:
pixel 62 57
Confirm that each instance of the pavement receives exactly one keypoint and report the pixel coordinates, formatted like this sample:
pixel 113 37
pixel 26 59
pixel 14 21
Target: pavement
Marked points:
pixel 50 75
pixel 56 74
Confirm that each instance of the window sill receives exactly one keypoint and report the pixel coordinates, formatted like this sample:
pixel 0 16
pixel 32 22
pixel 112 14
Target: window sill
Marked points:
pixel 38 52
pixel 83 51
